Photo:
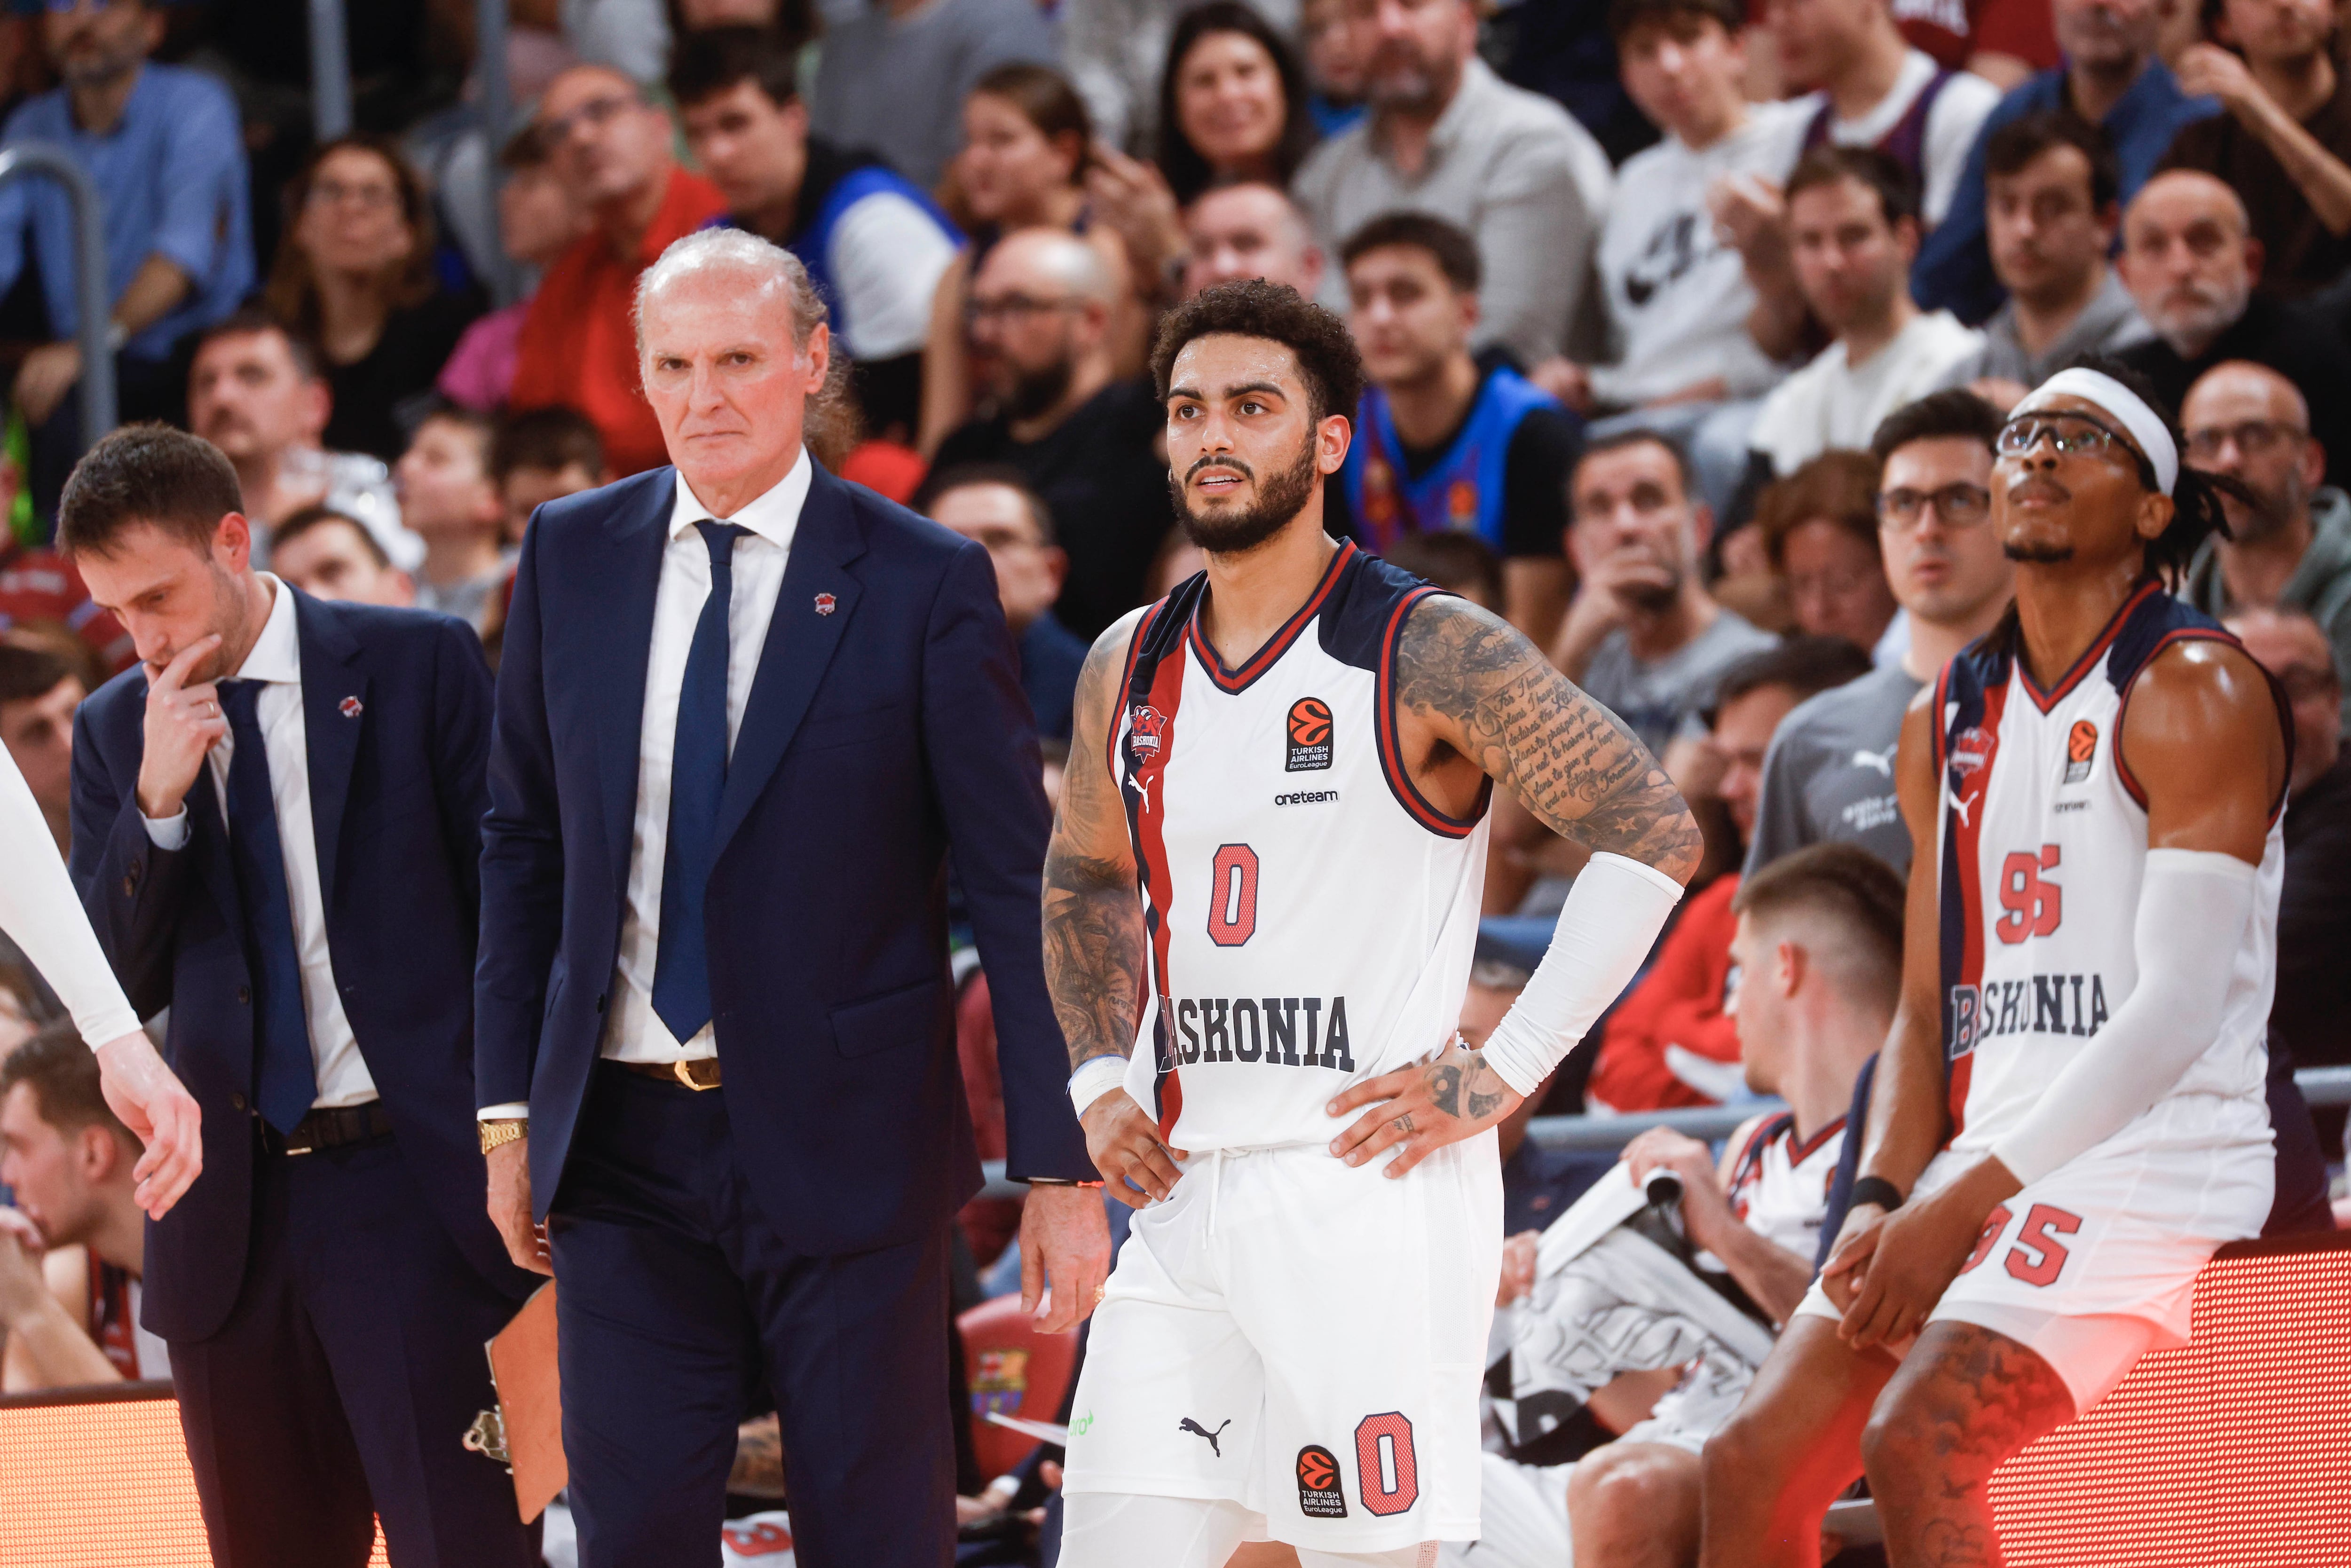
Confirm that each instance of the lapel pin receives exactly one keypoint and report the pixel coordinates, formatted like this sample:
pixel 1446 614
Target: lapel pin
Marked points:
pixel 824 603
pixel 350 707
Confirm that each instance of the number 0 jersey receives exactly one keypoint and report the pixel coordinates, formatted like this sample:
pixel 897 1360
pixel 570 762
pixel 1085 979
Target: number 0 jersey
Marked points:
pixel 2043 844
pixel 1311 915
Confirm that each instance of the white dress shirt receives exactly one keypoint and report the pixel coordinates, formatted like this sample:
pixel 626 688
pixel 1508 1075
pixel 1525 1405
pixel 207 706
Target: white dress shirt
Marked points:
pixel 276 660
pixel 632 1030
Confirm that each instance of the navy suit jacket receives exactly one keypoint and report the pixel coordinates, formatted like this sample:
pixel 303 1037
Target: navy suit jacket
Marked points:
pixel 395 709
pixel 885 724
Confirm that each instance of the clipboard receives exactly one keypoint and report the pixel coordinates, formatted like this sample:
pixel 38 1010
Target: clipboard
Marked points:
pixel 526 1431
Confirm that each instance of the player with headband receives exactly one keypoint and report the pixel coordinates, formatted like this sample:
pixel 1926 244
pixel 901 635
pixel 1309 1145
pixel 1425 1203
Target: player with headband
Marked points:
pixel 2068 1117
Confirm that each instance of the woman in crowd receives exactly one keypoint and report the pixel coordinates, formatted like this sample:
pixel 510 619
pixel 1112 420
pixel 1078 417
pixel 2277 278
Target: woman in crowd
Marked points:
pixel 1819 527
pixel 1232 106
pixel 537 221
pixel 1027 145
pixel 355 273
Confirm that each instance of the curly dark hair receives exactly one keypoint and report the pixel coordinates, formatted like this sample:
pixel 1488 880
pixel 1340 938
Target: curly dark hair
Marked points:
pixel 1252 307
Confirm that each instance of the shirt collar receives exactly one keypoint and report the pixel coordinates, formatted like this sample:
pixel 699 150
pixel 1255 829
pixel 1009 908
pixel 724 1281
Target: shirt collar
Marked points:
pixel 774 515
pixel 1475 80
pixel 276 653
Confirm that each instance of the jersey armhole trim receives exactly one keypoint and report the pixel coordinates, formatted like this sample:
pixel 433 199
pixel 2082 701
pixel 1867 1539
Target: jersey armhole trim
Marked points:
pixel 2130 783
pixel 1408 794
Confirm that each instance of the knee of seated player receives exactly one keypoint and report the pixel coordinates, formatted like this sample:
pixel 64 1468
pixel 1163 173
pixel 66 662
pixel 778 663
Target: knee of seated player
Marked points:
pixel 1636 1488
pixel 1964 1399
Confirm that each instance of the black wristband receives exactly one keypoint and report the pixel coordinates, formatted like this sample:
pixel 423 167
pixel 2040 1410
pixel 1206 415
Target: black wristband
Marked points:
pixel 1876 1190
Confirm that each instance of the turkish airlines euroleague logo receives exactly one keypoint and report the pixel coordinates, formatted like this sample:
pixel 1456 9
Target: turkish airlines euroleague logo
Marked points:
pixel 1319 1496
pixel 1309 735
pixel 2080 745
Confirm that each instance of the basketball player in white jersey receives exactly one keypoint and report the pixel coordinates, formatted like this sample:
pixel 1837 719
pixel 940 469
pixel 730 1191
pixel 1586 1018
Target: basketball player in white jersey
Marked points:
pixel 1260 907
pixel 2068 1116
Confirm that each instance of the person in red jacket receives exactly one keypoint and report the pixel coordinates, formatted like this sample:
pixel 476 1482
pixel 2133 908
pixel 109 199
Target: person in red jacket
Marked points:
pixel 1672 1041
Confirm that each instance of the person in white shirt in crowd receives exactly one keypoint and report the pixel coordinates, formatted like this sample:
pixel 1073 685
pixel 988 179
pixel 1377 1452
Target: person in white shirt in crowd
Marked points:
pixel 1853 230
pixel 258 393
pixel 448 497
pixel 1447 137
pixel 1817 954
pixel 1249 230
pixel 72 1248
pixel 2051 214
pixel 1829 775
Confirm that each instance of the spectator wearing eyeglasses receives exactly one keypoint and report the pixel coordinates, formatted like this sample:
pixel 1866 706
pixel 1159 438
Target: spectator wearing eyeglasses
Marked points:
pixel 2051 214
pixel 163 145
pixel 2291 548
pixel 1829 775
pixel 1820 531
pixel 1040 315
pixel 354 274
pixel 579 344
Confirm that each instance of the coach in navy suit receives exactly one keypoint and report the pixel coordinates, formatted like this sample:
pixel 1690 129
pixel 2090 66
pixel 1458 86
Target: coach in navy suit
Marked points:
pixel 744 711
pixel 277 829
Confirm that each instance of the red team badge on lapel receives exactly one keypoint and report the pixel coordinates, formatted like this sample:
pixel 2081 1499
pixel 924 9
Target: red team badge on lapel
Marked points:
pixel 825 603
pixel 350 707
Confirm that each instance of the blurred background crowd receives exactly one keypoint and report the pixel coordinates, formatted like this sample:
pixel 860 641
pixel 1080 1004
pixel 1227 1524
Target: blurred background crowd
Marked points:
pixel 1687 323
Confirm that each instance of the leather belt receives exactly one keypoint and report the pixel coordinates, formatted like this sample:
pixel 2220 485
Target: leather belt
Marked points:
pixel 696 1073
pixel 342 1127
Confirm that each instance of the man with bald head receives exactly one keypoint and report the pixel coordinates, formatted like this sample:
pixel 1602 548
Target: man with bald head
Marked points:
pixel 2292 548
pixel 613 148
pixel 2189 259
pixel 1249 230
pixel 743 712
pixel 1040 321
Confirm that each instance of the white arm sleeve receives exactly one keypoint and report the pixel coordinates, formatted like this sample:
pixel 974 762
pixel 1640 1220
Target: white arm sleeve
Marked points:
pixel 1611 920
pixel 2192 909
pixel 39 912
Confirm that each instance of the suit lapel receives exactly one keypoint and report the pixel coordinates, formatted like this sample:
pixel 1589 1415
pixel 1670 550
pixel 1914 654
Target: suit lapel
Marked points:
pixel 813 608
pixel 610 645
pixel 333 718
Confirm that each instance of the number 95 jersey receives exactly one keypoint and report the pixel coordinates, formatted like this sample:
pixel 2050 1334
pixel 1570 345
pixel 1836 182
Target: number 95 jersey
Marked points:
pixel 1310 916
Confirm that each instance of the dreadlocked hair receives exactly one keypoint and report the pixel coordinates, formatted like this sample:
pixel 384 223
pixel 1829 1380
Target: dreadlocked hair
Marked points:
pixel 2195 511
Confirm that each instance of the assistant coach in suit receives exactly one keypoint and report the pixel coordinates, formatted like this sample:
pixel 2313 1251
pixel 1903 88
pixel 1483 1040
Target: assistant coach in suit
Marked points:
pixel 276 832
pixel 744 711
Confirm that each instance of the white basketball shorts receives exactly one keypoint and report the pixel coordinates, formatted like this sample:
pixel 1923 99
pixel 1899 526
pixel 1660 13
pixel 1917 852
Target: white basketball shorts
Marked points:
pixel 1305 1339
pixel 2095 1263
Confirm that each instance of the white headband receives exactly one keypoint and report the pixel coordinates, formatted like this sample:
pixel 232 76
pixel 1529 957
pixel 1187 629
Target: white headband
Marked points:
pixel 2147 426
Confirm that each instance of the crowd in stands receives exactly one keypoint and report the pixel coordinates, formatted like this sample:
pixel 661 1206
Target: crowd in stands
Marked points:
pixel 1688 326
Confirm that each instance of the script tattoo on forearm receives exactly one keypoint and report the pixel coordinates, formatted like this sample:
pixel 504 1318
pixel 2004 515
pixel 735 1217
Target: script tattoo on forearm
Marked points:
pixel 1094 944
pixel 1574 763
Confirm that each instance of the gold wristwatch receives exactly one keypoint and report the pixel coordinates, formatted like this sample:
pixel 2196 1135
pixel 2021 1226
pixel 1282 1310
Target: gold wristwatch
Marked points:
pixel 497 1133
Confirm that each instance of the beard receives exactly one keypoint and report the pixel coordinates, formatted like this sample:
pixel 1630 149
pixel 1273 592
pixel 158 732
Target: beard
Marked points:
pixel 1029 394
pixel 1279 499
pixel 1651 598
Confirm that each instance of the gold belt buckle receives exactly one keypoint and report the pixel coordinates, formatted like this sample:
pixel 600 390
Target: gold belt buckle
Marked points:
pixel 700 1073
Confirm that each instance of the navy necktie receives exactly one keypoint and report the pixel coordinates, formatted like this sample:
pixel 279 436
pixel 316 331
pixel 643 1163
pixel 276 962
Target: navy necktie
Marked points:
pixel 288 1079
pixel 697 780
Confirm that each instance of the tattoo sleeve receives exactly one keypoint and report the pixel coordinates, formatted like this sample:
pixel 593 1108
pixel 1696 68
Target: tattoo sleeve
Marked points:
pixel 1493 695
pixel 1095 963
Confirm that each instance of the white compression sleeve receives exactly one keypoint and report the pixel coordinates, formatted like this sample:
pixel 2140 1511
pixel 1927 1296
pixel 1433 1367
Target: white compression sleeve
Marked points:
pixel 2192 909
pixel 39 910
pixel 1611 920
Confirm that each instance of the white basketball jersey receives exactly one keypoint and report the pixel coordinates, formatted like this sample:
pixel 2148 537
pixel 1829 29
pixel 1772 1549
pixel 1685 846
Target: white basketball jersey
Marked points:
pixel 1310 916
pixel 1780 1188
pixel 2042 845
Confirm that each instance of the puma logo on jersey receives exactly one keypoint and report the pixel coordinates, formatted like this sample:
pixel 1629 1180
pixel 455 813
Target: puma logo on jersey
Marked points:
pixel 2046 1004
pixel 1188 1425
pixel 1247 1028
pixel 1881 761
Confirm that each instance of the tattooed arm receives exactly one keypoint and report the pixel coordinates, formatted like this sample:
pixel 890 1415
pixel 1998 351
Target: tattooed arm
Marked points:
pixel 1475 698
pixel 1095 959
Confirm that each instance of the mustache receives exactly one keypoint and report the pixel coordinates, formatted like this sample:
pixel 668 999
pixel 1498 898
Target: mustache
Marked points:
pixel 2039 486
pixel 1234 464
